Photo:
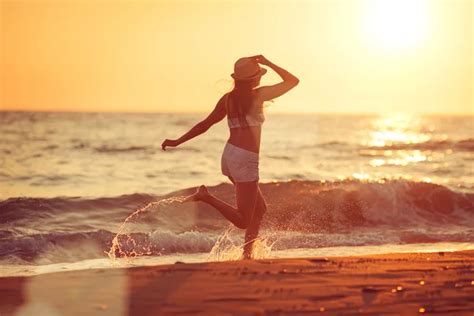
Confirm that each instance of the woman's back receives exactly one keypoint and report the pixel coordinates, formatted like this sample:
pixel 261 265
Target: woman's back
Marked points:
pixel 245 124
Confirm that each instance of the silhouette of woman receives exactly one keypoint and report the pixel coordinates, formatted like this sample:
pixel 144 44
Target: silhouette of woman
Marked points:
pixel 243 107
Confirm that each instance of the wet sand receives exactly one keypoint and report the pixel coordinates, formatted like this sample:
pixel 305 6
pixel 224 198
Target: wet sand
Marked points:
pixel 395 284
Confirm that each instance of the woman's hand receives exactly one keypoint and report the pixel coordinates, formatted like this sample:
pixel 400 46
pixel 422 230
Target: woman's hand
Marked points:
pixel 169 143
pixel 261 60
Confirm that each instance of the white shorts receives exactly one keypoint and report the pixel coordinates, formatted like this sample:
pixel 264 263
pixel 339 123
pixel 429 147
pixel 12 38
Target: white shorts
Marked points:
pixel 239 164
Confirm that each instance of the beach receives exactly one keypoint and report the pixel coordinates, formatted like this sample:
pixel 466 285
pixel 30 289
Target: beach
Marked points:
pixel 392 284
pixel 350 190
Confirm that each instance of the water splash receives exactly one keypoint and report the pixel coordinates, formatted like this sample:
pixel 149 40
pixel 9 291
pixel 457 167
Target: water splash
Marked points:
pixel 227 248
pixel 262 248
pixel 124 241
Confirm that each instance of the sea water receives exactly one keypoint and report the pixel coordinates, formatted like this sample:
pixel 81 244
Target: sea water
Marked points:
pixel 334 184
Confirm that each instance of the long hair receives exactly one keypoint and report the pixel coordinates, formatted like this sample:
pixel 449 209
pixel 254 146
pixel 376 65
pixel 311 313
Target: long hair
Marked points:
pixel 241 96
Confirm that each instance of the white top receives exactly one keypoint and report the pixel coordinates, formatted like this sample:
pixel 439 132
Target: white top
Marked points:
pixel 251 119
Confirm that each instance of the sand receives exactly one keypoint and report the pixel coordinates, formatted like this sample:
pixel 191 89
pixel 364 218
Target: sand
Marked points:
pixel 395 284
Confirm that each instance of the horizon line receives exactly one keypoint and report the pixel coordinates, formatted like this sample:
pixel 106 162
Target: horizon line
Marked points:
pixel 279 112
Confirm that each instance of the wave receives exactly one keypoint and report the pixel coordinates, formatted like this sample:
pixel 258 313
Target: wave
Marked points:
pixel 301 214
pixel 308 205
pixel 330 144
pixel 107 149
pixel 43 247
pixel 113 149
pixel 17 208
pixel 78 144
pixel 462 145
pixel 334 143
pixel 329 206
pixel 75 246
pixel 279 157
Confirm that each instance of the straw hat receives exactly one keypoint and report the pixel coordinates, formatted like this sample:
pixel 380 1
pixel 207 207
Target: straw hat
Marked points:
pixel 247 68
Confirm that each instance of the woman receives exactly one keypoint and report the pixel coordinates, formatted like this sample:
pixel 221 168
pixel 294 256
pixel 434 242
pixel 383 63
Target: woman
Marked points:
pixel 244 109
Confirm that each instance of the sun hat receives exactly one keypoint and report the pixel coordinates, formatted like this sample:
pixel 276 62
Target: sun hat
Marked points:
pixel 247 68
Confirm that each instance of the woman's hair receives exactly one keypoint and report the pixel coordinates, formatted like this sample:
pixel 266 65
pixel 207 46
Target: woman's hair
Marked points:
pixel 241 96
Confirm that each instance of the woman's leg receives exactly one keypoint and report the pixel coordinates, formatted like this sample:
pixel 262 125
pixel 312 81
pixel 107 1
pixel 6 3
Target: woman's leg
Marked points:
pixel 246 196
pixel 251 233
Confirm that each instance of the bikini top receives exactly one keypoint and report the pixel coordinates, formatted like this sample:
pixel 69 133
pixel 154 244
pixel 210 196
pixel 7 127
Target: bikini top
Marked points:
pixel 252 119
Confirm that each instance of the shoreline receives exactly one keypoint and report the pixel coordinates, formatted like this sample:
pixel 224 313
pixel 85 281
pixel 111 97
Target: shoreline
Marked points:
pixel 25 270
pixel 396 283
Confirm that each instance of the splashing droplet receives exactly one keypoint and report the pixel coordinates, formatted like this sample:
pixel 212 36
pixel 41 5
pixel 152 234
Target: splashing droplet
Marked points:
pixel 122 238
pixel 227 248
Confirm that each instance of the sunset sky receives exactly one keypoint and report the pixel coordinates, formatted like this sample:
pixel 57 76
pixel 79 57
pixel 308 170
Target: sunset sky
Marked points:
pixel 176 56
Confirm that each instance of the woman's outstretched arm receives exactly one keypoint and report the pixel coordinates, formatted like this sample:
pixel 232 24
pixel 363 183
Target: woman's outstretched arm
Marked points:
pixel 216 115
pixel 271 92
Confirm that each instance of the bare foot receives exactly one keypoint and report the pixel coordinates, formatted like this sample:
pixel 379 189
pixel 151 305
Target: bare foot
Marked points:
pixel 199 195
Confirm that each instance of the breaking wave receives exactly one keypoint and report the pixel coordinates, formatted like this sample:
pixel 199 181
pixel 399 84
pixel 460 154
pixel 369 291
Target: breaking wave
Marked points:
pixel 301 214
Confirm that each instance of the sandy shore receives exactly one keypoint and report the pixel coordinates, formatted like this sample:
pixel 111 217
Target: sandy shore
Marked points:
pixel 395 284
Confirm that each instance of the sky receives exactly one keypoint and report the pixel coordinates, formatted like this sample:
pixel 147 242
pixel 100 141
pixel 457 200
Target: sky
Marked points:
pixel 351 56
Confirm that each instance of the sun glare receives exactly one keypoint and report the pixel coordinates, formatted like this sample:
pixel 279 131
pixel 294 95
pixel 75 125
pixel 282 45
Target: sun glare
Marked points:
pixel 396 24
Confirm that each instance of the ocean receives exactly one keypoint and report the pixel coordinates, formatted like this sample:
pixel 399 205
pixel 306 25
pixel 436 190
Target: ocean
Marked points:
pixel 334 184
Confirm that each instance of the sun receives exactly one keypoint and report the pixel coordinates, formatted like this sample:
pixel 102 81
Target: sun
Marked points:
pixel 396 24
